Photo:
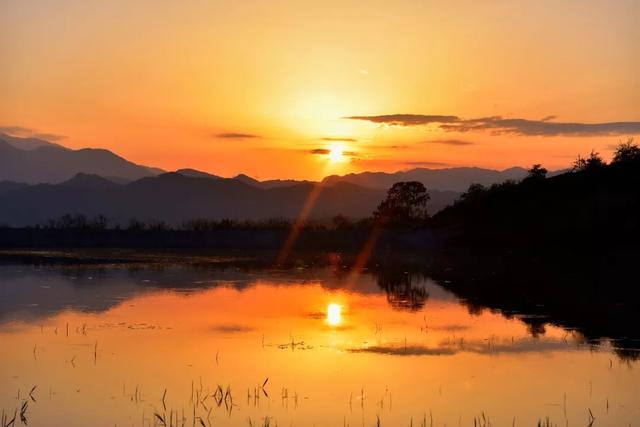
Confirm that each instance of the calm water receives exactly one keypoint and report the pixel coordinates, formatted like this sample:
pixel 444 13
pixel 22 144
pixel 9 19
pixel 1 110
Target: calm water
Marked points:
pixel 102 345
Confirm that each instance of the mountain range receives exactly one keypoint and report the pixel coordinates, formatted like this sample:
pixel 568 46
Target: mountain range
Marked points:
pixel 174 199
pixel 40 180
pixel 34 161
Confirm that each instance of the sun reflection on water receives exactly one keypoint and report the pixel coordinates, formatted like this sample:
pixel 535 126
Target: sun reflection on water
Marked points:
pixel 334 314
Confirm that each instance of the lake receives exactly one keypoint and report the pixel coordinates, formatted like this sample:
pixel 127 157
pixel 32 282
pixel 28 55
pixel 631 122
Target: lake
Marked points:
pixel 225 343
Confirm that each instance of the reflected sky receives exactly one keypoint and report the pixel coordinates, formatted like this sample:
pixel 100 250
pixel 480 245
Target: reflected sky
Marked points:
pixel 300 347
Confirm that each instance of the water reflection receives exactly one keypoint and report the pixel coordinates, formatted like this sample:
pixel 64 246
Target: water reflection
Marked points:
pixel 309 346
pixel 334 314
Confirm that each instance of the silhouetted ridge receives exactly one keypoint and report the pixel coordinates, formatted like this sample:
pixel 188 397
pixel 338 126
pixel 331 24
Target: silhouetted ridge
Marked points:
pixel 193 173
pixel 89 181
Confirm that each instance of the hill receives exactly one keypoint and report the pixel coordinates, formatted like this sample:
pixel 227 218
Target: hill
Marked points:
pixel 595 206
pixel 450 179
pixel 33 161
pixel 174 198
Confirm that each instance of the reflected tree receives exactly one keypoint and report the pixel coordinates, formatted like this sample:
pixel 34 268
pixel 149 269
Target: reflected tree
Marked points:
pixel 403 293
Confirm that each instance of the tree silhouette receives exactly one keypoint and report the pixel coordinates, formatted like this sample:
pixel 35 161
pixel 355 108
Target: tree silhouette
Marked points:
pixel 474 191
pixel 405 204
pixel 537 172
pixel 626 151
pixel 593 162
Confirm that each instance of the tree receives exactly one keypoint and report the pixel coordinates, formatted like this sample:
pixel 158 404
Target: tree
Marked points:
pixel 626 151
pixel 405 204
pixel 537 172
pixel 593 162
pixel 474 191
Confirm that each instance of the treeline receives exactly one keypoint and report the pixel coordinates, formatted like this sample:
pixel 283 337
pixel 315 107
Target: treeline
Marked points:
pixel 100 222
pixel 595 204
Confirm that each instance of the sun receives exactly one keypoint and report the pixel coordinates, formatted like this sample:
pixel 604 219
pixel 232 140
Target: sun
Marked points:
pixel 336 153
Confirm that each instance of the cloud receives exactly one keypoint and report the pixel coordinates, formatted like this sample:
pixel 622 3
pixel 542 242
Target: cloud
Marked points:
pixel 49 136
pixel 457 142
pixel 387 147
pixel 23 132
pixel 515 126
pixel 424 163
pixel 406 119
pixel 499 125
pixel 236 135
pixel 326 151
pixel 369 162
pixel 17 130
pixel 335 139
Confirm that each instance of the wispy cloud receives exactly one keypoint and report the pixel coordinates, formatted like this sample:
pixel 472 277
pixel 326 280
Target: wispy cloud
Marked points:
pixel 236 135
pixel 457 142
pixel 424 163
pixel 337 139
pixel 23 132
pixel 321 151
pixel 500 125
pixel 326 151
pixel 406 119
pixel 370 162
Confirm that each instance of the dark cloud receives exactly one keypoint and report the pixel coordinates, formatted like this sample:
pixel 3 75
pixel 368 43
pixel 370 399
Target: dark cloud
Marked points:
pixel 458 142
pixel 499 125
pixel 334 139
pixel 236 135
pixel 406 119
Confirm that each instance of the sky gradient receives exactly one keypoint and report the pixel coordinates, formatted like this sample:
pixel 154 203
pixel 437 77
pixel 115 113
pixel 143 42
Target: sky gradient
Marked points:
pixel 268 88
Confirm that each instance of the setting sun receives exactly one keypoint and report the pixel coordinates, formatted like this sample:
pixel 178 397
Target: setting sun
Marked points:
pixel 334 314
pixel 336 154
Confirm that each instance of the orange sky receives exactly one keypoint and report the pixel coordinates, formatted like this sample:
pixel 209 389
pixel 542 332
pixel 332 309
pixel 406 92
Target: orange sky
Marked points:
pixel 257 86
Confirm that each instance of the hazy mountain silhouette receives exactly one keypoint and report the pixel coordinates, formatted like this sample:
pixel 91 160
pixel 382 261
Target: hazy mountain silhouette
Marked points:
pixel 175 198
pixel 28 143
pixel 450 179
pixel 193 173
pixel 269 183
pixel 39 161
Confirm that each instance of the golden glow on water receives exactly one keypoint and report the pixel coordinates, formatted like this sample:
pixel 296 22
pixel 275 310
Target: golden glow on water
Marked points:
pixel 130 337
pixel 334 314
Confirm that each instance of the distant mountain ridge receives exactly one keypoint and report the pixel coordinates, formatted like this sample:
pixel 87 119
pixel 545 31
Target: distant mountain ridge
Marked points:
pixel 34 161
pixel 449 179
pixel 174 198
